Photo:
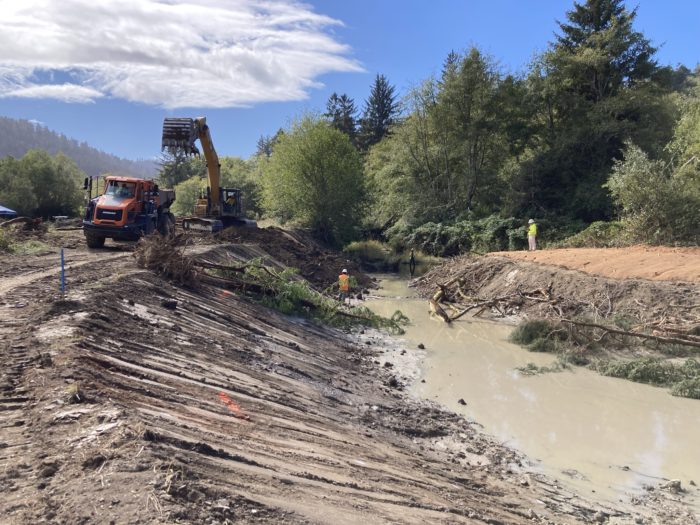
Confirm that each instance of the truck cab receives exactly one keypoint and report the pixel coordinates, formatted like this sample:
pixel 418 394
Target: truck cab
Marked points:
pixel 128 209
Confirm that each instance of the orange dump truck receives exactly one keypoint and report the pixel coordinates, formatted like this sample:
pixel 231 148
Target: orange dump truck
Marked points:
pixel 128 209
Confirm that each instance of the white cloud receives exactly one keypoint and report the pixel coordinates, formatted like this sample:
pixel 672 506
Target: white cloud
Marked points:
pixel 169 53
pixel 63 92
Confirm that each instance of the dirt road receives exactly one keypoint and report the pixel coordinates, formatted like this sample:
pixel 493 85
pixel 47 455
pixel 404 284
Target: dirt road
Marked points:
pixel 642 262
pixel 131 400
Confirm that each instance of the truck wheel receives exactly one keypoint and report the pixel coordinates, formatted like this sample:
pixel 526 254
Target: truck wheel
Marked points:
pixel 95 241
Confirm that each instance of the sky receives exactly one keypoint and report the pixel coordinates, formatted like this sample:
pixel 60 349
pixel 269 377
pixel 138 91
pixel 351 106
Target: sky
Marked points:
pixel 108 72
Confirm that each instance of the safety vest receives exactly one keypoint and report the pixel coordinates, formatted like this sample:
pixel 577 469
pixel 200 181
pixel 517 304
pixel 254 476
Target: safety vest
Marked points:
pixel 532 230
pixel 344 282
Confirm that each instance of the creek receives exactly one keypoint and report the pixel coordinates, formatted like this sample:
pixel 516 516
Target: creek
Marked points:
pixel 593 433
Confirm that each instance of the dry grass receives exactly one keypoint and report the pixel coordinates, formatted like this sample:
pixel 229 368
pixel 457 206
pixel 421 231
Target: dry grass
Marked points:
pixel 166 257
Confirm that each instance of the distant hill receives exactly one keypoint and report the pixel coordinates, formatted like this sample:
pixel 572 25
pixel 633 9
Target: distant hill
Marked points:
pixel 19 136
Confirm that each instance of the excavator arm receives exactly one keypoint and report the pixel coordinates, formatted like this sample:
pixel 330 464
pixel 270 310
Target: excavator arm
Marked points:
pixel 221 207
pixel 180 134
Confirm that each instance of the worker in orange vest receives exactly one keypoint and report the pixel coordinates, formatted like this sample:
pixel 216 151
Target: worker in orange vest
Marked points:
pixel 344 285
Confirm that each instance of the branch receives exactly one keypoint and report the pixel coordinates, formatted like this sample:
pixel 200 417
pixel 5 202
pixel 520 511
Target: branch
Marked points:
pixel 669 340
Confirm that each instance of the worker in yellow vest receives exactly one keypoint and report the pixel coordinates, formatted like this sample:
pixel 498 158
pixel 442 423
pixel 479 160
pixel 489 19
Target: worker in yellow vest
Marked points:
pixel 344 285
pixel 532 235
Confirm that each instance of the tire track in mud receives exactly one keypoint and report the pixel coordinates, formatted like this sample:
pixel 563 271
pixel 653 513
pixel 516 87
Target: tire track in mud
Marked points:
pixel 168 366
pixel 23 302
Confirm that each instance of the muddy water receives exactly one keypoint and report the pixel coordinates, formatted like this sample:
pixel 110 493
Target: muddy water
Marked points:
pixel 594 433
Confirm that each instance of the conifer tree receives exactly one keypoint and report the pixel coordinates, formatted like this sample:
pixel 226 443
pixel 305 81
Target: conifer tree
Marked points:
pixel 342 114
pixel 380 112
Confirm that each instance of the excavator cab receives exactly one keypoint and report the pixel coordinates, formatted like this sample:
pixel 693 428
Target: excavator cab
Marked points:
pixel 219 207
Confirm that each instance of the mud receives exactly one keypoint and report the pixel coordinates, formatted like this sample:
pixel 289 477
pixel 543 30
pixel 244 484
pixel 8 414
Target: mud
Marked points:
pixel 116 414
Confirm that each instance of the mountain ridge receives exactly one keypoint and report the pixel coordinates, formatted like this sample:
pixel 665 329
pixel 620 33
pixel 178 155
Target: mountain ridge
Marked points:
pixel 17 136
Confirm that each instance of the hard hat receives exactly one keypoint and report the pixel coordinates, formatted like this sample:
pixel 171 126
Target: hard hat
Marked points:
pixel 344 271
pixel 531 221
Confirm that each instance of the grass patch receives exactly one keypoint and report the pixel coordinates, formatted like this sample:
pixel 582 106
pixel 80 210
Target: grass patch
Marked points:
pixel 31 247
pixel 373 256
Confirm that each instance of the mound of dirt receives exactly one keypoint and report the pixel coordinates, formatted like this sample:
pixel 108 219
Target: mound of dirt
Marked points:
pixel 572 293
pixel 297 249
pixel 658 263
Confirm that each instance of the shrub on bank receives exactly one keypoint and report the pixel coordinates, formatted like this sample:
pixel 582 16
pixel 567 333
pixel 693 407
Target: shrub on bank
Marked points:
pixel 599 234
pixel 684 379
pixel 448 239
pixel 539 335
pixel 373 256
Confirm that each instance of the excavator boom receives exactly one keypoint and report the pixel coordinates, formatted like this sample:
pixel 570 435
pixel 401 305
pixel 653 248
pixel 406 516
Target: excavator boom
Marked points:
pixel 220 205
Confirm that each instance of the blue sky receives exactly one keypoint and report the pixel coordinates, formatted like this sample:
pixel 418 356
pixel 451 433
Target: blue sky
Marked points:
pixel 108 72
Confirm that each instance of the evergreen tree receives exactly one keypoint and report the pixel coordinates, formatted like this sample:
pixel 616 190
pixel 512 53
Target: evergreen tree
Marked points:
pixel 266 144
pixel 600 50
pixel 594 89
pixel 380 112
pixel 341 112
pixel 178 167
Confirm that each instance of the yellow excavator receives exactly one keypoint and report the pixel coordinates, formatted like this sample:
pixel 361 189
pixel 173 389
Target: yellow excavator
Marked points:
pixel 220 207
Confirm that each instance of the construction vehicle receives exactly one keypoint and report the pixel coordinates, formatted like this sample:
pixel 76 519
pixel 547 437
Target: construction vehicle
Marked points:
pixel 128 209
pixel 220 207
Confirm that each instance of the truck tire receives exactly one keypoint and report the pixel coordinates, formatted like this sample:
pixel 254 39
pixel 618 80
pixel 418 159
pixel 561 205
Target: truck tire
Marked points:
pixel 94 241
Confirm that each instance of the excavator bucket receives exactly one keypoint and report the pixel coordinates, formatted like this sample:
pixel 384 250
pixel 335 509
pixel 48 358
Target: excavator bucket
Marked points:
pixel 179 135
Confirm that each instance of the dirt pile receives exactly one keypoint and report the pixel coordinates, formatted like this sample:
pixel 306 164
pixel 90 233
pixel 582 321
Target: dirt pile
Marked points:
pixel 573 293
pixel 658 263
pixel 297 249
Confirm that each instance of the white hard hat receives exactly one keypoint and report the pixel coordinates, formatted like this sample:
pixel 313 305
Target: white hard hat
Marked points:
pixel 531 221
pixel 344 271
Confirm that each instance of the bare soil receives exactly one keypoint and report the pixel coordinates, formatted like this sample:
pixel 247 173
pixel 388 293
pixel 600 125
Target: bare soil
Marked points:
pixel 656 263
pixel 132 400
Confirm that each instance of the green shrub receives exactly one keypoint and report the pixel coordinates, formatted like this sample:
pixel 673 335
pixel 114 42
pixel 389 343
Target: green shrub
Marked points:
pixel 373 255
pixel 599 234
pixel 481 235
pixel 687 388
pixel 657 372
pixel 539 335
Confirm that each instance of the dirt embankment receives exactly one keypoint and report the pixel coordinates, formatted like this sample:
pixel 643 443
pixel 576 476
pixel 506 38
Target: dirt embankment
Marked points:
pixel 573 292
pixel 637 262
pixel 131 400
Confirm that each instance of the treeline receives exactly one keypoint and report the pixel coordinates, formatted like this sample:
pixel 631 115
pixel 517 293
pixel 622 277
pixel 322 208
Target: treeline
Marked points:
pixel 594 132
pixel 39 185
pixel 17 137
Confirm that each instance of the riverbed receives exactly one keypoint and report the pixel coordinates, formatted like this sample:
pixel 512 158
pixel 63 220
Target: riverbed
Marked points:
pixel 596 434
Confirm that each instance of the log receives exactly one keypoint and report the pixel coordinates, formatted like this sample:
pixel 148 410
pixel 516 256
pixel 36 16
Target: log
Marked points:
pixel 660 339
pixel 20 220
pixel 437 310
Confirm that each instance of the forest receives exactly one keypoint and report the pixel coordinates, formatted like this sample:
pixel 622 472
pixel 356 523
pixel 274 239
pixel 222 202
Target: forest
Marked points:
pixel 595 140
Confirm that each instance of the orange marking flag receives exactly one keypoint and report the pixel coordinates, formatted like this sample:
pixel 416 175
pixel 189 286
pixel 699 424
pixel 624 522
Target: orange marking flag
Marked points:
pixel 232 405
